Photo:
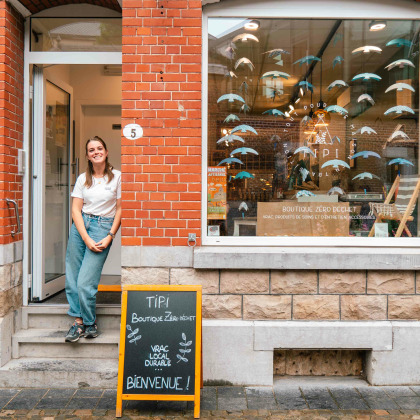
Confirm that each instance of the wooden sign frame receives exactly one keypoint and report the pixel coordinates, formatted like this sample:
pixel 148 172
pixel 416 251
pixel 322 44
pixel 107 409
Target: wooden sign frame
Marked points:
pixel 198 349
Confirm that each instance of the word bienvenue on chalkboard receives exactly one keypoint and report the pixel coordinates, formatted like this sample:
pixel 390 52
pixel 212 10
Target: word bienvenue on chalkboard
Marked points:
pixel 160 344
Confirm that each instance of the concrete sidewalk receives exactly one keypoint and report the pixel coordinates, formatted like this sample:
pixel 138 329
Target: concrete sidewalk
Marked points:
pixel 291 398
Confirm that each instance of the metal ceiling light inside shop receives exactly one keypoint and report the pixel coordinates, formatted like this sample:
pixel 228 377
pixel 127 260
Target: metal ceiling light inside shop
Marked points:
pixel 252 25
pixel 377 25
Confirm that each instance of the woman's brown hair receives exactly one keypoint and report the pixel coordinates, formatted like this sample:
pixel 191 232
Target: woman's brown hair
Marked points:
pixel 89 170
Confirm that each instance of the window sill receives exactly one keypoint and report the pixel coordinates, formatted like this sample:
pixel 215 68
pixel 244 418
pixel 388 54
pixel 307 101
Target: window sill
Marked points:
pixel 306 258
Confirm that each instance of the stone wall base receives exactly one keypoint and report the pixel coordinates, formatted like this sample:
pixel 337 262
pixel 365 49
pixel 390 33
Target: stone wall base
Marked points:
pixel 401 366
pixel 239 352
pixel 6 331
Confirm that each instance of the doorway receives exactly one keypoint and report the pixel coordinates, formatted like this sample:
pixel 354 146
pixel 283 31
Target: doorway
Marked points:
pixel 70 103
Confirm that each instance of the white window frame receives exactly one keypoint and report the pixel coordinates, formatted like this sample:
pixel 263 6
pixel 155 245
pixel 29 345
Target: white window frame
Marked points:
pixel 297 9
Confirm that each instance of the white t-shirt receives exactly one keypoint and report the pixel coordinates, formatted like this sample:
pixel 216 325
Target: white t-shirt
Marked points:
pixel 101 198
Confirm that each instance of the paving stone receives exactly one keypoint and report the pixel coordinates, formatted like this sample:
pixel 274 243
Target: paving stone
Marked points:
pixel 59 393
pixel 377 399
pixel 398 391
pixel 52 403
pixel 26 399
pixel 83 403
pixel 260 398
pixel 231 398
pixel 110 393
pixel 8 392
pixel 408 403
pixel 289 399
pixel 107 403
pixel 416 389
pixel 208 399
pixel 348 399
pixel 230 392
pixel 167 407
pixel 319 398
pixel 4 401
pixel 141 406
pixel 89 392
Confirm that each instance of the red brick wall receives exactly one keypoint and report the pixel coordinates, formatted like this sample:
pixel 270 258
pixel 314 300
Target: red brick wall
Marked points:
pixel 11 116
pixel 162 93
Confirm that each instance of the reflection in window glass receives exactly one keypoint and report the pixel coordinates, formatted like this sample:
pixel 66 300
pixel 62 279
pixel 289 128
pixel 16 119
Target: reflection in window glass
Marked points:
pixel 313 128
pixel 76 34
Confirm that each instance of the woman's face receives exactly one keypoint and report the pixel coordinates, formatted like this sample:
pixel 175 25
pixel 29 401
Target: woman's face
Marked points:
pixel 96 152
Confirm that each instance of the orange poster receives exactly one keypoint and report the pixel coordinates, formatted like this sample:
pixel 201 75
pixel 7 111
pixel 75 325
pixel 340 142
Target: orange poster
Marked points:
pixel 216 192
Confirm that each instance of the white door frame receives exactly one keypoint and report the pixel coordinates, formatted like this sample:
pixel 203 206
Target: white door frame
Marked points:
pixel 40 289
pixel 45 58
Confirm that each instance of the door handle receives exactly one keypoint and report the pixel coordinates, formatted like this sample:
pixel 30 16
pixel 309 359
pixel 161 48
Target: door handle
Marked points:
pixel 75 165
pixel 9 201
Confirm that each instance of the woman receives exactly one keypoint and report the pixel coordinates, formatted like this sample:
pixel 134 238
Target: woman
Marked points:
pixel 96 212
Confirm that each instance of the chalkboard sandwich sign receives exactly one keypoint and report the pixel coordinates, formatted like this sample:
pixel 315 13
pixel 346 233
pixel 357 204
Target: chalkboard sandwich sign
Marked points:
pixel 160 345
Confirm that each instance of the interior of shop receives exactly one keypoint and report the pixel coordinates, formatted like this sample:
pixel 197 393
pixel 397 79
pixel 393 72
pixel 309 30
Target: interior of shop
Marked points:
pixel 312 124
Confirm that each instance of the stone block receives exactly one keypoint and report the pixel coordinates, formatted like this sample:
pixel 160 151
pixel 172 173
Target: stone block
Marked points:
pixel 6 331
pixel 209 279
pixel 345 281
pixel 222 306
pixel 244 281
pixel 390 282
pixel 404 307
pixel 418 282
pixel 316 307
pixel 10 299
pixel 5 277
pixel 229 354
pixel 322 334
pixel 267 307
pixel 401 365
pixel 294 282
pixel 16 275
pixel 363 307
pixel 144 275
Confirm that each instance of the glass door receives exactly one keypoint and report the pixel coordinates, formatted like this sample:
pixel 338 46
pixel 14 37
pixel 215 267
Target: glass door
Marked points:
pixel 51 183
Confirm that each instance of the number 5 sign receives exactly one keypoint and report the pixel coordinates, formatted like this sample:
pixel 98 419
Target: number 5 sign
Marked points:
pixel 132 132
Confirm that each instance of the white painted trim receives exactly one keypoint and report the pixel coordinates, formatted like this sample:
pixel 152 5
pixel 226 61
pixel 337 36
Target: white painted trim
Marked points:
pixel 324 9
pixel 204 129
pixel 42 290
pixel 50 57
pixel 26 176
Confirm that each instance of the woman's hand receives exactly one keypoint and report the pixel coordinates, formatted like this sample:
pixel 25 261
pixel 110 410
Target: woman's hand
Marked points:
pixel 104 243
pixel 90 243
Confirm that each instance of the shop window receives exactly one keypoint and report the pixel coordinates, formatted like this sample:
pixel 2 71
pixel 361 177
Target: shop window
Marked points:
pixel 76 34
pixel 312 128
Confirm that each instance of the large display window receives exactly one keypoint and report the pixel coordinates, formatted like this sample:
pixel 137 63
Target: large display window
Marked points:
pixel 312 128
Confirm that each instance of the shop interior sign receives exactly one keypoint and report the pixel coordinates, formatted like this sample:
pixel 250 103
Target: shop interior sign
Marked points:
pixel 160 345
pixel 216 193
pixel 289 218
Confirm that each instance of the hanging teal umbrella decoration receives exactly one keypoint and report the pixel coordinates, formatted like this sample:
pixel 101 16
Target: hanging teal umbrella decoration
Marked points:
pixel 400 161
pixel 243 175
pixel 400 42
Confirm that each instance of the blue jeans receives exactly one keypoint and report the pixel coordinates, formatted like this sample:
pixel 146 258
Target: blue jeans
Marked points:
pixel 84 268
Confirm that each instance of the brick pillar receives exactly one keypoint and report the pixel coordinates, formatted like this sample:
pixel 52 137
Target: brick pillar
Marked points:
pixel 162 93
pixel 11 139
